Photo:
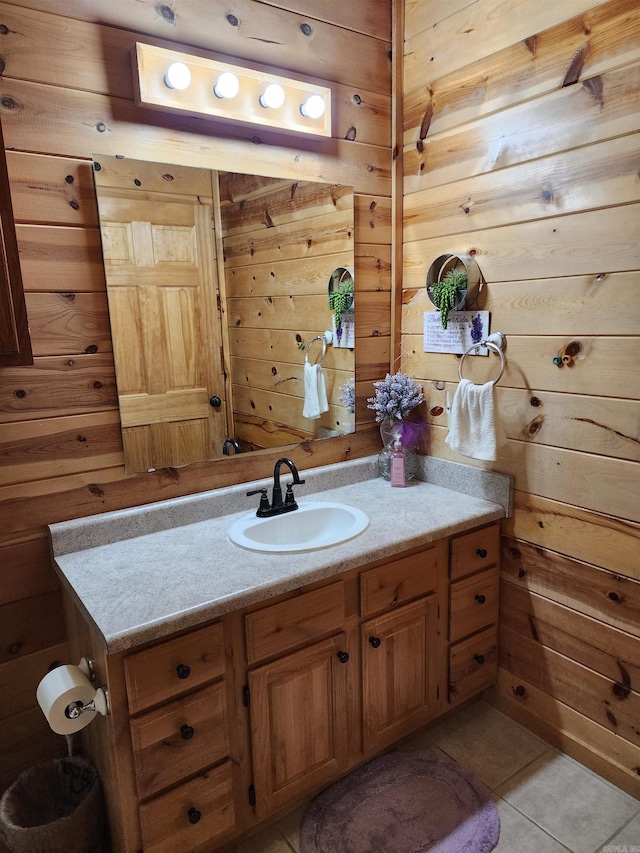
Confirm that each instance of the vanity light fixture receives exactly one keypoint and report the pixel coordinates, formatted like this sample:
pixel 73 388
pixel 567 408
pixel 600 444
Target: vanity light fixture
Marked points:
pixel 179 82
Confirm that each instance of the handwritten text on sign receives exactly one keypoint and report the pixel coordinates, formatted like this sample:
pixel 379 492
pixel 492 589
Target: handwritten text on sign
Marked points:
pixel 464 329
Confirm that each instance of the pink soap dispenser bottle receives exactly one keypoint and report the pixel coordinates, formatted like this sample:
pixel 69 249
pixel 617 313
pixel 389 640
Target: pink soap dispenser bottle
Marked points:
pixel 397 464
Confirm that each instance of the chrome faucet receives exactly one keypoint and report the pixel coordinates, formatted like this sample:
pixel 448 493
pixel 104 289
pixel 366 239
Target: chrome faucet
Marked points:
pixel 277 505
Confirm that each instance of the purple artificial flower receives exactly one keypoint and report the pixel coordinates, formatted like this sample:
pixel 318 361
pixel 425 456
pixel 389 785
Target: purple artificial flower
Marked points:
pixel 348 395
pixel 395 397
pixel 476 329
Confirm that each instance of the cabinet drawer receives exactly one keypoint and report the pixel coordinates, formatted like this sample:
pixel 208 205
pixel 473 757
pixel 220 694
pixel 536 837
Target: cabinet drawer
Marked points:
pixel 474 551
pixel 302 619
pixel 169 669
pixel 473 665
pixel 179 739
pixel 474 603
pixel 398 582
pixel 197 812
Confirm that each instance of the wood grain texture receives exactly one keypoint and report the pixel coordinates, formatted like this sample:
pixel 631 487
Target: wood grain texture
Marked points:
pixel 67 95
pixel 520 148
pixel 258 34
pixel 578 117
pixel 590 743
pixel 607 650
pixel 599 39
pixel 478 30
pixel 589 536
pixel 604 701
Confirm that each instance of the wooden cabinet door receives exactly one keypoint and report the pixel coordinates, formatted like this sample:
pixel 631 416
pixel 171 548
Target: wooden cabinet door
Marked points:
pixel 160 265
pixel 399 664
pixel 298 722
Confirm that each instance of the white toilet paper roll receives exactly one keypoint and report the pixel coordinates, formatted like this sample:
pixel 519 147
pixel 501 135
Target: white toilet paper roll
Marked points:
pixel 64 686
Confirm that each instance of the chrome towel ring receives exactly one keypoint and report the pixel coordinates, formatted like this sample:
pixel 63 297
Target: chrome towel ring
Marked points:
pixel 495 342
pixel 326 338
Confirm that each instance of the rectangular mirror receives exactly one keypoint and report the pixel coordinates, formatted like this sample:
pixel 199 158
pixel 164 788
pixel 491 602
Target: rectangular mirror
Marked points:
pixel 221 287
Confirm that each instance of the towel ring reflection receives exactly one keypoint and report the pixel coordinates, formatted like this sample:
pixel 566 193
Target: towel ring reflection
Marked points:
pixel 496 342
pixel 327 338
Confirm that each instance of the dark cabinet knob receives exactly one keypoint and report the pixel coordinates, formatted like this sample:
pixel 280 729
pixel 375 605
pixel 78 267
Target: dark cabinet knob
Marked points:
pixel 183 671
pixel 186 732
pixel 375 642
pixel 215 402
pixel 482 553
pixel 479 658
pixel 194 815
pixel 480 599
pixel 343 657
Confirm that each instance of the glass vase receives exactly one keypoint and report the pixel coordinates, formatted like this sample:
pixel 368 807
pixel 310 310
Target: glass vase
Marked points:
pixel 390 429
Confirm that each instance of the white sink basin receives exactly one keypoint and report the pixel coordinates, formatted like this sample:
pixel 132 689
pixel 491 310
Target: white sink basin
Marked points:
pixel 312 526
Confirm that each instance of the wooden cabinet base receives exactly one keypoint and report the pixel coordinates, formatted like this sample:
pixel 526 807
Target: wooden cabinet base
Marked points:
pixel 222 727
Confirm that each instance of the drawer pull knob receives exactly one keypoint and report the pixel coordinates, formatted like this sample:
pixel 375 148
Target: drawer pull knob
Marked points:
pixel 194 815
pixel 343 657
pixel 183 671
pixel 375 642
pixel 186 732
pixel 482 553
pixel 479 658
pixel 480 599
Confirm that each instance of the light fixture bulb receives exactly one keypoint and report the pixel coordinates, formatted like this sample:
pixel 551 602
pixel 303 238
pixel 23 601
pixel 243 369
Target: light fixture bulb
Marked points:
pixel 178 76
pixel 227 86
pixel 272 97
pixel 313 107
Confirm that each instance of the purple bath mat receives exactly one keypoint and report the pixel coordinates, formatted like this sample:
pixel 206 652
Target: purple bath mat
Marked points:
pixel 403 802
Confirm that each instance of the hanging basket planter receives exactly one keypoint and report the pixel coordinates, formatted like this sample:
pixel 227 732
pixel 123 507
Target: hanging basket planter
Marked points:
pixel 341 291
pixel 462 273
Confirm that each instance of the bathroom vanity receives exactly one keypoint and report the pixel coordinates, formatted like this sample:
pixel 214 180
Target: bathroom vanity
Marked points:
pixel 242 682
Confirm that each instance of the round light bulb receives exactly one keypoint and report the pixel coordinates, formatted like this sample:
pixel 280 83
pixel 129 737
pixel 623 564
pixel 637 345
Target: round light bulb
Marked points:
pixel 227 86
pixel 313 107
pixel 272 97
pixel 178 76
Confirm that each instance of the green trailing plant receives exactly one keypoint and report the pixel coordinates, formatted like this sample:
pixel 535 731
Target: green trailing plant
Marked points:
pixel 447 293
pixel 340 300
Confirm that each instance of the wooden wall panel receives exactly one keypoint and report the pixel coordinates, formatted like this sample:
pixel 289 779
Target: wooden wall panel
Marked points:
pixel 67 94
pixel 579 48
pixel 520 148
pixel 263 234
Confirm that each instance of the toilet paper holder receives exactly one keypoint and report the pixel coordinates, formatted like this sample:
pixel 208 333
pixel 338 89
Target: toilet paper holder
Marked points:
pixel 100 702
pixel 69 699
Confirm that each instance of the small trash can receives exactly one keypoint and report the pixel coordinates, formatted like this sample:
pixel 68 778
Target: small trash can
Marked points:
pixel 55 807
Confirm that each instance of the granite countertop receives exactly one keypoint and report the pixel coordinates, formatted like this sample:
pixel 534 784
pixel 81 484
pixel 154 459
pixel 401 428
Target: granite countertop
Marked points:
pixel 144 573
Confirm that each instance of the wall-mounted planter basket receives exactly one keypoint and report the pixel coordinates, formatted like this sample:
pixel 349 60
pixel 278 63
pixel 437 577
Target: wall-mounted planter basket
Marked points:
pixel 441 266
pixel 341 290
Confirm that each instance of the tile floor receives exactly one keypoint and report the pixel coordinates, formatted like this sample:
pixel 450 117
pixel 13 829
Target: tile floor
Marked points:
pixel 548 802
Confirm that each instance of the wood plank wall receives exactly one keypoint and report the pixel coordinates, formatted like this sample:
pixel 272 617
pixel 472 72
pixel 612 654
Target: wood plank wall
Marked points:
pixel 281 243
pixel 521 148
pixel 66 93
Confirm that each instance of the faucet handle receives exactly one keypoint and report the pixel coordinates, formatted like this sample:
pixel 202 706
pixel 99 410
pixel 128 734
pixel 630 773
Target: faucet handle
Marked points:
pixel 289 498
pixel 264 500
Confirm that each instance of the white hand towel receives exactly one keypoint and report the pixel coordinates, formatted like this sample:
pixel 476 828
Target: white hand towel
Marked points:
pixel 315 394
pixel 475 428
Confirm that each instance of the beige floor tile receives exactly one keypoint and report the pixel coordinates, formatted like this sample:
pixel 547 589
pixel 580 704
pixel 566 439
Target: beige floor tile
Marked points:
pixel 487 742
pixel 290 827
pixel 571 803
pixel 269 840
pixel 625 841
pixel 518 833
